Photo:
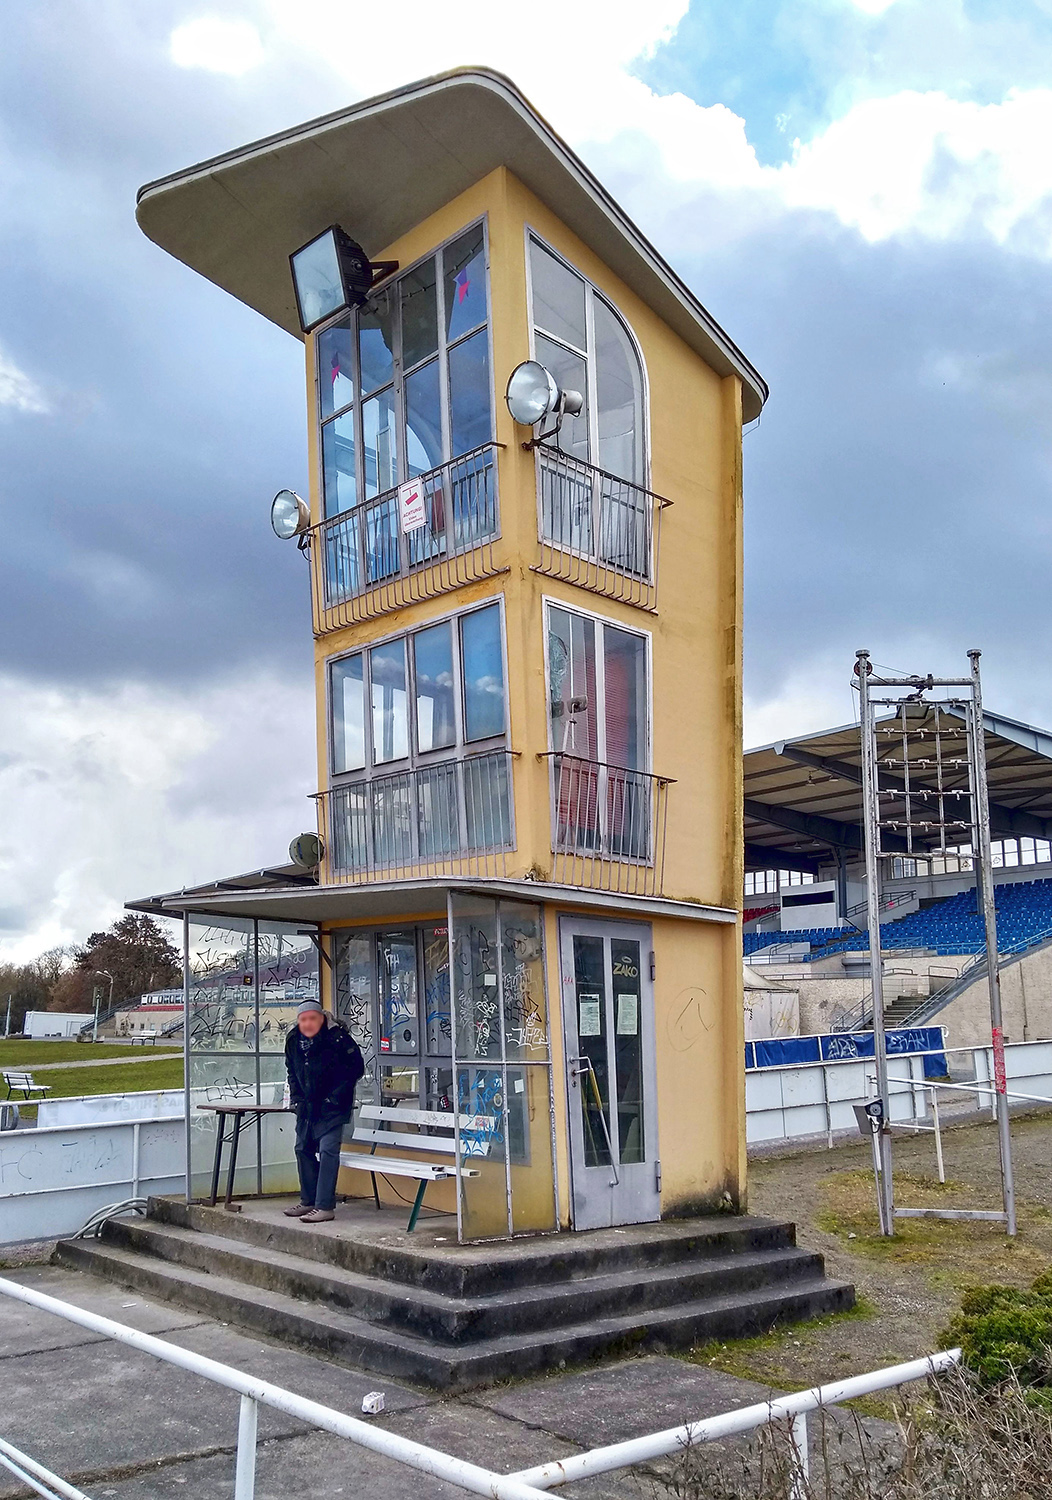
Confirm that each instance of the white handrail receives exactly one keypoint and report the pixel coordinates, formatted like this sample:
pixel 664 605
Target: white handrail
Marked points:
pixel 470 1477
pixel 528 1484
pixel 729 1423
pixel 36 1476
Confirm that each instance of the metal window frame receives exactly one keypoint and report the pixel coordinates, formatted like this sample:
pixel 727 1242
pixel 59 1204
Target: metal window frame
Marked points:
pixel 463 748
pixel 591 291
pixel 400 371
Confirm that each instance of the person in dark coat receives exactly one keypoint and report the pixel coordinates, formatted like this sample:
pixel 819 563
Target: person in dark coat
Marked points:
pixel 324 1064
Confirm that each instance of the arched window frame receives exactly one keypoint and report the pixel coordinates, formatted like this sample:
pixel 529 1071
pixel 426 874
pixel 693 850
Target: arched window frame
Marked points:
pixel 589 355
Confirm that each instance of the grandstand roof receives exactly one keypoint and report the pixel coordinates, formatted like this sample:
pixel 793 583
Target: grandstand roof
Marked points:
pixel 803 797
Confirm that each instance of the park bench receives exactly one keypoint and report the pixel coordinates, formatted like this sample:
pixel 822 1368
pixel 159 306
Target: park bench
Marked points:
pixel 20 1082
pixel 374 1122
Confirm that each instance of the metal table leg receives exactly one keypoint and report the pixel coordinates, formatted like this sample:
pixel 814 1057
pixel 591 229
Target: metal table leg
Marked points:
pixel 220 1132
pixel 238 1118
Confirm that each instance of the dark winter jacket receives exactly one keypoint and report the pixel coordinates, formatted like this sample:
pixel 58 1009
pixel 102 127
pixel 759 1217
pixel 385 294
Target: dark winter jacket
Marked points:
pixel 322 1078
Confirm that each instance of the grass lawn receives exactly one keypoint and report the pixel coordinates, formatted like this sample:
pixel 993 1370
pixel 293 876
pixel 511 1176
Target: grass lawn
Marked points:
pixel 136 1077
pixel 23 1054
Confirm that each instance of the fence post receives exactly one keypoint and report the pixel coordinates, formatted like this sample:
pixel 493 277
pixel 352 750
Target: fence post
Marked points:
pixel 135 1160
pixel 798 1435
pixel 938 1132
pixel 245 1471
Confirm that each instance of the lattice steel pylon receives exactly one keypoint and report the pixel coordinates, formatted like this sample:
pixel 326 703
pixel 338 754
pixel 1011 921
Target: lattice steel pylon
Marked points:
pixel 924 794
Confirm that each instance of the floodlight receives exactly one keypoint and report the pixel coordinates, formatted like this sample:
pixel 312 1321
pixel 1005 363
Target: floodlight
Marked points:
pixel 533 393
pixel 289 515
pixel 331 273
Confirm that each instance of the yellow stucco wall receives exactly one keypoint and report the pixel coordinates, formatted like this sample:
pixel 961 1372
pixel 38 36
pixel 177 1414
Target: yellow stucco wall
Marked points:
pixel 694 449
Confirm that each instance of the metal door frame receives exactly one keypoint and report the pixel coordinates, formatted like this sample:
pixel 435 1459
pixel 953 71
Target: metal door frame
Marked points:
pixel 571 925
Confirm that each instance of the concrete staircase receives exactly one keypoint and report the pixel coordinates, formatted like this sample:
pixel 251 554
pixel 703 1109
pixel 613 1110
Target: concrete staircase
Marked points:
pixel 464 1316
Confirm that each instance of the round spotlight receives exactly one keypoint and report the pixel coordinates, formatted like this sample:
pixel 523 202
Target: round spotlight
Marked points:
pixel 532 393
pixel 289 515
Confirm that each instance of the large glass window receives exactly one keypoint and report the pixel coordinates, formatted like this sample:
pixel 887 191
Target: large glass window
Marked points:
pixel 404 382
pixel 598 705
pixel 423 774
pixel 580 337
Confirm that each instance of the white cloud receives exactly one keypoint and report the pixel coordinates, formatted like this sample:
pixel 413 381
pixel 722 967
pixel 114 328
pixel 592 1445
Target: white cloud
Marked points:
pixel 218 46
pixel 18 391
pixel 930 164
pixel 873 7
pixel 118 793
pixel 910 162
pixel 817 696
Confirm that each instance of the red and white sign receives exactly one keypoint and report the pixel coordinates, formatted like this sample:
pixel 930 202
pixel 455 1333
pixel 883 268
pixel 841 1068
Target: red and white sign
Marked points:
pixel 412 512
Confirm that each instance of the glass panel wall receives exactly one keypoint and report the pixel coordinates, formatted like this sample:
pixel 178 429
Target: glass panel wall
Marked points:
pixel 246 979
pixel 502 1061
pixel 393 993
pixel 404 389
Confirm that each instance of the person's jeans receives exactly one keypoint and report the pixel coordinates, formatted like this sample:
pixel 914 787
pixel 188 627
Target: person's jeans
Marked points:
pixel 318 1159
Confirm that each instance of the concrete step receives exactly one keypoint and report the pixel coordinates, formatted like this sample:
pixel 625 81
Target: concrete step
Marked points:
pixel 341 1336
pixel 478 1271
pixel 435 1315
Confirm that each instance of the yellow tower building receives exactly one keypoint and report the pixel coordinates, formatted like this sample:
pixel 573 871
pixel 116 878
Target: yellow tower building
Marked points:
pixel 524 895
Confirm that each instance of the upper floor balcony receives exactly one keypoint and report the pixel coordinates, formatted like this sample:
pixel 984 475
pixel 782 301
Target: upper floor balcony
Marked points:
pixel 595 531
pixel 598 531
pixel 367 561
pixel 457 817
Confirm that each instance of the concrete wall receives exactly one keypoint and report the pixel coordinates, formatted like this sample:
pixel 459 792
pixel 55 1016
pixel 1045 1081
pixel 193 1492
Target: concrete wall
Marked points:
pixel 1026 1000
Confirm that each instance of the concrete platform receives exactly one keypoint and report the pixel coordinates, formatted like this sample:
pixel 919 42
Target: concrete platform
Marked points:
pixel 423 1309
pixel 124 1426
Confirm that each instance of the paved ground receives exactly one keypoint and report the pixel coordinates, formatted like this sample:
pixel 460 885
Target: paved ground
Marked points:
pixel 129 1428
pixel 121 1424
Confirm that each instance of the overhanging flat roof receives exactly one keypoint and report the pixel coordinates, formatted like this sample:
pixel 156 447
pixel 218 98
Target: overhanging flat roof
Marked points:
pixel 251 896
pixel 803 797
pixel 381 167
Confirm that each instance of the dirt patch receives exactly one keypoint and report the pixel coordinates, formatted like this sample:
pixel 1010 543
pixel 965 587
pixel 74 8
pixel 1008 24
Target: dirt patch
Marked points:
pixel 908 1286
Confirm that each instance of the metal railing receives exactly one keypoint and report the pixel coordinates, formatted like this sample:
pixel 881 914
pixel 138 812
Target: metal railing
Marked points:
pixel 608 825
pixel 527 1484
pixel 596 530
pixel 449 817
pixel 364 565
pixel 887 905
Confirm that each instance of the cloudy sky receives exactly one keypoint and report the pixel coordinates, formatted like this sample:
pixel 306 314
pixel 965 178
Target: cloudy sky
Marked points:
pixel 859 190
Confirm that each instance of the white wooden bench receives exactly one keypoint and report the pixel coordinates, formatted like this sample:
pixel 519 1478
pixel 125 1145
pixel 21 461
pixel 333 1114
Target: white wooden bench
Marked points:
pixel 372 1118
pixel 21 1082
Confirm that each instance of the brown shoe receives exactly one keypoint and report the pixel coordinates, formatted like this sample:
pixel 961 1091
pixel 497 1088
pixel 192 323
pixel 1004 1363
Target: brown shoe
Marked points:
pixel 318 1216
pixel 298 1211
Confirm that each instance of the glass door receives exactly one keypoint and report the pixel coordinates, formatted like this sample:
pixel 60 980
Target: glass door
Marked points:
pixel 608 1013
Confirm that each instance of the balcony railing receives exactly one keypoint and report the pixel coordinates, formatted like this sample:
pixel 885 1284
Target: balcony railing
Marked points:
pixel 364 565
pixel 608 826
pixel 450 817
pixel 596 530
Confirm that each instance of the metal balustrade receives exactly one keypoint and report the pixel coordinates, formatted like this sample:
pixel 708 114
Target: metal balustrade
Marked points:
pixel 608 825
pixel 596 530
pixel 363 565
pixel 449 817
pixel 527 1484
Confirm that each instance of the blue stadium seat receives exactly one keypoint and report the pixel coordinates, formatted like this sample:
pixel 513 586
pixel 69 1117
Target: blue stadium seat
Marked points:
pixel 950 926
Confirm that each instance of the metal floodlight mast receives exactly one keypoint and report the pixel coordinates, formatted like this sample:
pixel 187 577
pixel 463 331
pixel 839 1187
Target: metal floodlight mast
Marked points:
pixel 907 690
pixel 986 894
pixel 871 820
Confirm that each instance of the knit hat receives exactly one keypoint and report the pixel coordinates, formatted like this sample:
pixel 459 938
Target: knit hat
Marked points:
pixel 307 1005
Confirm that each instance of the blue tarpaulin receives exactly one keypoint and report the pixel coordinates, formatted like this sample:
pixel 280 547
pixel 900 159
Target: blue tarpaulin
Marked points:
pixel 846 1046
